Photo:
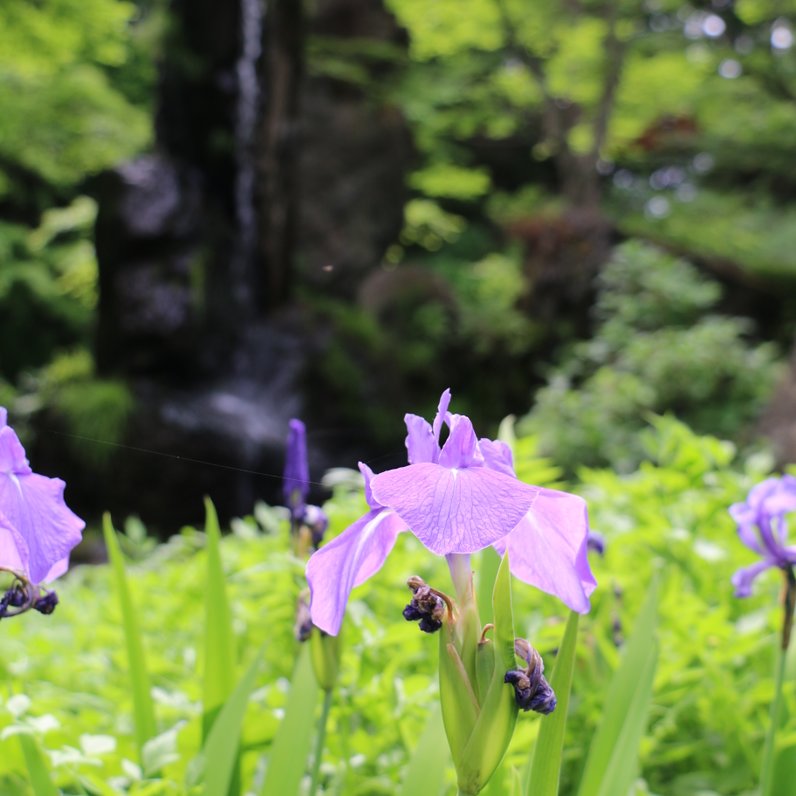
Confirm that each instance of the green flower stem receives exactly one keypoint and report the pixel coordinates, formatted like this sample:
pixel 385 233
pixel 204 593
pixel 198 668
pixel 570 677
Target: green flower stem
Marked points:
pixel 320 739
pixel 769 750
pixel 767 773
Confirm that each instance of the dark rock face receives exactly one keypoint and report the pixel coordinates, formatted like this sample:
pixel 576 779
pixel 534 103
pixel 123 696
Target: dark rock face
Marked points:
pixel 147 240
pixel 213 353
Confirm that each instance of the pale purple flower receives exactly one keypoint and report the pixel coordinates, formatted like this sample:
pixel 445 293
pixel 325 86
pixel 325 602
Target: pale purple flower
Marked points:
pixel 457 498
pixel 37 530
pixel 763 529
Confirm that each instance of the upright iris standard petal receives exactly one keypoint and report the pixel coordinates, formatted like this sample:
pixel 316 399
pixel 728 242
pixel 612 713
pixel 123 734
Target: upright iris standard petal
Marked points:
pixel 454 510
pixel 548 548
pixel 420 443
pixel 37 530
pixel 348 561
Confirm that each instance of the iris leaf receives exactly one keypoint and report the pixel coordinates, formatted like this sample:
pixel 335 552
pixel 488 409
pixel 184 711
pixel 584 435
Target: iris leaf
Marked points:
pixel 143 706
pixel 221 746
pixel 612 762
pixel 426 770
pixel 544 771
pixel 287 760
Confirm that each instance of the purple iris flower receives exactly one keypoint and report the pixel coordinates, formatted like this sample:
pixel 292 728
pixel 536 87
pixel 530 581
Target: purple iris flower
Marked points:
pixel 296 478
pixel 37 530
pixel 762 528
pixel 457 498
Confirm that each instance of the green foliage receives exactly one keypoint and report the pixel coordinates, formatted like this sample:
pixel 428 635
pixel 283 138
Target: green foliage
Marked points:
pixel 654 351
pixel 67 681
pixel 612 762
pixel 91 408
pixel 62 117
pixel 750 232
pixel 544 764
pixel 143 707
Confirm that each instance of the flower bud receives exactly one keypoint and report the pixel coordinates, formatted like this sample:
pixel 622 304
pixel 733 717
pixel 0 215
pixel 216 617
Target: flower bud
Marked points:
pixel 426 606
pixel 531 690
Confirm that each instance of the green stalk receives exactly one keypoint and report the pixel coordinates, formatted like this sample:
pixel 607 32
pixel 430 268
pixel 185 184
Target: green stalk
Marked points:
pixel 769 750
pixel 767 773
pixel 320 739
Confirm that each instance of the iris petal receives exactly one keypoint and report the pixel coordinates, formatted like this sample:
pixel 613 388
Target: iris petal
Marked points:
pixel 34 506
pixel 497 455
pixel 454 510
pixel 442 414
pixel 13 550
pixel 461 448
pixel 548 548
pixel 347 561
pixel 12 454
pixel 420 443
pixel 743 578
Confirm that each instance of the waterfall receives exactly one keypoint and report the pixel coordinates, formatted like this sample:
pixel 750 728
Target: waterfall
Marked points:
pixel 252 14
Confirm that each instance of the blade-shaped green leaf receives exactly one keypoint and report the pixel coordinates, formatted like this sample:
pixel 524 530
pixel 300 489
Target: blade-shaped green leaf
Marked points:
pixel 426 770
pixel 488 563
pixel 612 762
pixel 221 747
pixel 219 669
pixel 459 704
pixel 287 760
pixel 143 706
pixel 38 770
pixel 544 770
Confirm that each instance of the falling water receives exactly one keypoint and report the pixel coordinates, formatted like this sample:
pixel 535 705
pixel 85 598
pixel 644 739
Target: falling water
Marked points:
pixel 251 19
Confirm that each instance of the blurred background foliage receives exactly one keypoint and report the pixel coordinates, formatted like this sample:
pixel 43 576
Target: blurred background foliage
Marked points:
pixel 599 221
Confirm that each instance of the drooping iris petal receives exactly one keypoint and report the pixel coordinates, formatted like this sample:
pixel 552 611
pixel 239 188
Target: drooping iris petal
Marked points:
pixel 13 549
pixel 548 548
pixel 420 443
pixel 3 417
pixel 12 455
pixel 742 579
pixel 34 506
pixel 454 510
pixel 347 561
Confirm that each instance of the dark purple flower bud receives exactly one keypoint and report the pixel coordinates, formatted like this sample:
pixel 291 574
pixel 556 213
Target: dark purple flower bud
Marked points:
pixel 315 520
pixel 531 690
pixel 427 606
pixel 20 597
pixel 296 477
pixel 302 629
pixel 596 542
pixel 46 603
